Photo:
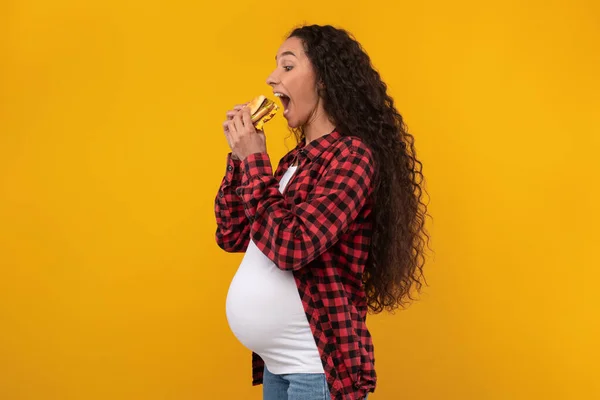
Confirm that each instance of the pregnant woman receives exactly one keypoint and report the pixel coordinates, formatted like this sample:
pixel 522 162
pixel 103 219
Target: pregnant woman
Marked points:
pixel 336 231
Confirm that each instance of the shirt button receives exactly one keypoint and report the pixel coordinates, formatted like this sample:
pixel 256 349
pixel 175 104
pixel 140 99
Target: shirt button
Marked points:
pixel 221 194
pixel 229 168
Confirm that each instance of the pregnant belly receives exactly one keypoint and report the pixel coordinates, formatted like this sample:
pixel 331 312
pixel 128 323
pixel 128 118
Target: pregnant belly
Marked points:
pixel 263 304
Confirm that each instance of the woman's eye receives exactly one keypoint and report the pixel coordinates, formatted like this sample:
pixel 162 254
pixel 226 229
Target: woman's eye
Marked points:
pixel 288 68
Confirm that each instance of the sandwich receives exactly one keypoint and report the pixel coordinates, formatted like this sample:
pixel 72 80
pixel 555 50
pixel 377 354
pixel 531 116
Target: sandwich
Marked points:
pixel 261 111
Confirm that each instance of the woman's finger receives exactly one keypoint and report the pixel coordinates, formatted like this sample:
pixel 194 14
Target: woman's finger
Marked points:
pixel 230 127
pixel 247 119
pixel 231 135
pixel 237 121
pixel 227 132
pixel 232 113
pixel 236 109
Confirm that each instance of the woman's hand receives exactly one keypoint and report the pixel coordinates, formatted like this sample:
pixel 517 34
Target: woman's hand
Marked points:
pixel 242 138
pixel 230 115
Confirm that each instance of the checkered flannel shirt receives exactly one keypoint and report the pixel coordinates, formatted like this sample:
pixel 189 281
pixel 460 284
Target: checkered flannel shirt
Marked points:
pixel 319 228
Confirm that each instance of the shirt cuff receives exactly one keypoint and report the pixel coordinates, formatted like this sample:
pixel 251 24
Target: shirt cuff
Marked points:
pixel 257 177
pixel 233 173
pixel 257 164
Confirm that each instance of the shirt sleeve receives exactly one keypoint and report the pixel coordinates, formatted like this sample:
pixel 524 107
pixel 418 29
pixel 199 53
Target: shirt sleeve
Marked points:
pixel 233 226
pixel 293 236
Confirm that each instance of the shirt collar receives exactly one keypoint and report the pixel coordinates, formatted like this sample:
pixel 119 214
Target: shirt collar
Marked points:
pixel 317 146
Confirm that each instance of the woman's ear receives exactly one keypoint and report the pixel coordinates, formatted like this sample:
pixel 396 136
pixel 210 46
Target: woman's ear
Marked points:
pixel 321 89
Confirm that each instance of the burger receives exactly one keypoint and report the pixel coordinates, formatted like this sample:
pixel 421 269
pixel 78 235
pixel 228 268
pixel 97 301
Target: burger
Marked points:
pixel 262 110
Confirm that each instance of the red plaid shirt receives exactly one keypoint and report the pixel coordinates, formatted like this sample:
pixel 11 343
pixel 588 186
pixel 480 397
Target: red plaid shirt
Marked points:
pixel 319 228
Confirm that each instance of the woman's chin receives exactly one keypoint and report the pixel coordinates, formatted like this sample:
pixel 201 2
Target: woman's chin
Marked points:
pixel 293 124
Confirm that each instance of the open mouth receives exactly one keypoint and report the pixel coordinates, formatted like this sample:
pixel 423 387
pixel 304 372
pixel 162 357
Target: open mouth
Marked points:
pixel 285 101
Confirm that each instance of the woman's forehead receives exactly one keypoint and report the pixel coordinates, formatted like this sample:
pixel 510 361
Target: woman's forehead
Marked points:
pixel 292 47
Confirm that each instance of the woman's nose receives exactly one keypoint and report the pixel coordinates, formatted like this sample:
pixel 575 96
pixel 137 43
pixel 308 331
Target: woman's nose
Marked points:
pixel 272 79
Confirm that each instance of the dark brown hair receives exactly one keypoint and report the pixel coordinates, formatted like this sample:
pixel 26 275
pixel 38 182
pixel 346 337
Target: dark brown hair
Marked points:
pixel 356 99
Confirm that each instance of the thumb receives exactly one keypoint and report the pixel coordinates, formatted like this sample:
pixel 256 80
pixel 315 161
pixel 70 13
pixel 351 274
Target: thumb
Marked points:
pixel 263 139
pixel 262 136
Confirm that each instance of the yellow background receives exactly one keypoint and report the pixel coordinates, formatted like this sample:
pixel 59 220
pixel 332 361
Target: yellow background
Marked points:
pixel 111 152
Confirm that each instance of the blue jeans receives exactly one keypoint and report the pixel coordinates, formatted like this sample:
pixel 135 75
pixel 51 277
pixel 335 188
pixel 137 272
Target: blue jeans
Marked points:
pixel 295 387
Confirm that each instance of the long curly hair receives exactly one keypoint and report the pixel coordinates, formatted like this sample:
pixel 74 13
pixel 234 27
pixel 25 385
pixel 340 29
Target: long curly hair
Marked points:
pixel 356 99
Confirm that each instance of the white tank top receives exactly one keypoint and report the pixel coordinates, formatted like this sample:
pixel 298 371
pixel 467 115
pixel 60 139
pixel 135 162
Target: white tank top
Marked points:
pixel 265 312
